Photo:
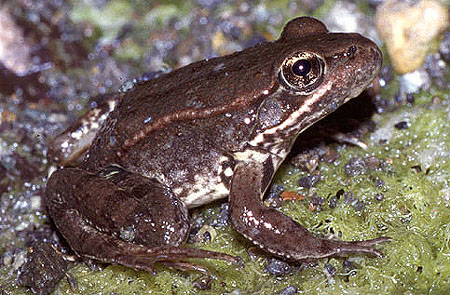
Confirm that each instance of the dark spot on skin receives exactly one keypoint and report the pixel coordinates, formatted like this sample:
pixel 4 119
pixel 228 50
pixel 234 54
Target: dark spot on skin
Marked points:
pixel 351 51
pixel 268 172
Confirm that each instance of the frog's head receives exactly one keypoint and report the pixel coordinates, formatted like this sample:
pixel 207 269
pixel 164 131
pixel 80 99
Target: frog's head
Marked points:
pixel 316 71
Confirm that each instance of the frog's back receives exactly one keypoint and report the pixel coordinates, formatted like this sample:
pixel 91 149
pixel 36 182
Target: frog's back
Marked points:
pixel 185 100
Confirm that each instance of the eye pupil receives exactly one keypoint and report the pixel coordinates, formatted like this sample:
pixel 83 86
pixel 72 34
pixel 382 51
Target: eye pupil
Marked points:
pixel 301 67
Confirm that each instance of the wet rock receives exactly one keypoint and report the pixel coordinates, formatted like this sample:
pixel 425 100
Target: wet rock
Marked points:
pixel 379 197
pixel 273 199
pixel 444 47
pixel 43 269
pixel 356 166
pixel 349 197
pixel 386 75
pixel 372 163
pixel 416 24
pixel 310 180
pixel 289 290
pixel 346 17
pixel 436 68
pixel 13 54
pixel 402 125
pixel 415 81
pixel 380 183
pixel 359 205
pixel 332 203
pixel 307 160
pixel 330 270
pixel 277 267
pixel 222 220
pixel 410 98
pixel 316 203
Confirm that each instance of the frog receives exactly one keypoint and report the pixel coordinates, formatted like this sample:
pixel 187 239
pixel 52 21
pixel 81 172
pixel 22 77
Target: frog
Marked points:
pixel 217 128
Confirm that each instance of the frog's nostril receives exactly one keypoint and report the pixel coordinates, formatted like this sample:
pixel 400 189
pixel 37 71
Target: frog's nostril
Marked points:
pixel 351 51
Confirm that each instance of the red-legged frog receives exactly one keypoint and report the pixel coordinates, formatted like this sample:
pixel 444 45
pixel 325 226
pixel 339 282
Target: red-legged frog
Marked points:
pixel 214 129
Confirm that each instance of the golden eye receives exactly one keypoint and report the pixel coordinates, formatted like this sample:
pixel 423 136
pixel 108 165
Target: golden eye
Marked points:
pixel 302 72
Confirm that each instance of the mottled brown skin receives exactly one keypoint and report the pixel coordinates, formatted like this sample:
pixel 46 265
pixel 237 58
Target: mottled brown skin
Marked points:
pixel 213 129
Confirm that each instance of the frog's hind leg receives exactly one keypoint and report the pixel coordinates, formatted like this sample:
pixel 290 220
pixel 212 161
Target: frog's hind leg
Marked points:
pixel 277 233
pixel 121 218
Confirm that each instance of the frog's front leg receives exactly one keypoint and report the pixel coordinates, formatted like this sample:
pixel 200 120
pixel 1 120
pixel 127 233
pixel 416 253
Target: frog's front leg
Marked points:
pixel 275 232
pixel 123 218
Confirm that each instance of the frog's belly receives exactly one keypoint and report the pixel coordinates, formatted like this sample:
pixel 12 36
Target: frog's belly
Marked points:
pixel 204 191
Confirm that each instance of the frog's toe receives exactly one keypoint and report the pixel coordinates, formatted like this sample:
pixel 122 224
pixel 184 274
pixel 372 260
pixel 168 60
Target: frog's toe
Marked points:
pixel 342 249
pixel 374 241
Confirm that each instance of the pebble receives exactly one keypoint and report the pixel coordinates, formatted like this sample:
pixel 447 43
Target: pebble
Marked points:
pixel 356 166
pixel 408 28
pixel 289 290
pixel 436 68
pixel 379 197
pixel 414 81
pixel 401 125
pixel 277 267
pixel 15 55
pixel 345 16
pixel 309 181
pixel 329 270
pixel 444 47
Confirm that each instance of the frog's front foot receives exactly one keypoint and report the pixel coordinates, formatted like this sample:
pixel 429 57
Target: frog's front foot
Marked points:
pixel 277 233
pixel 122 218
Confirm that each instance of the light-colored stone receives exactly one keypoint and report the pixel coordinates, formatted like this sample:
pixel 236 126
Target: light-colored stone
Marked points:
pixel 14 51
pixel 407 30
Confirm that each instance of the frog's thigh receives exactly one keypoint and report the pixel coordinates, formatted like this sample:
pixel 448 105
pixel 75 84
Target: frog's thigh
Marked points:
pixel 122 218
pixel 275 232
pixel 129 207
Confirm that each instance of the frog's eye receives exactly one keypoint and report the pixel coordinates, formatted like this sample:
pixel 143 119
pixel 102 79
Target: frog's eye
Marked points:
pixel 302 72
